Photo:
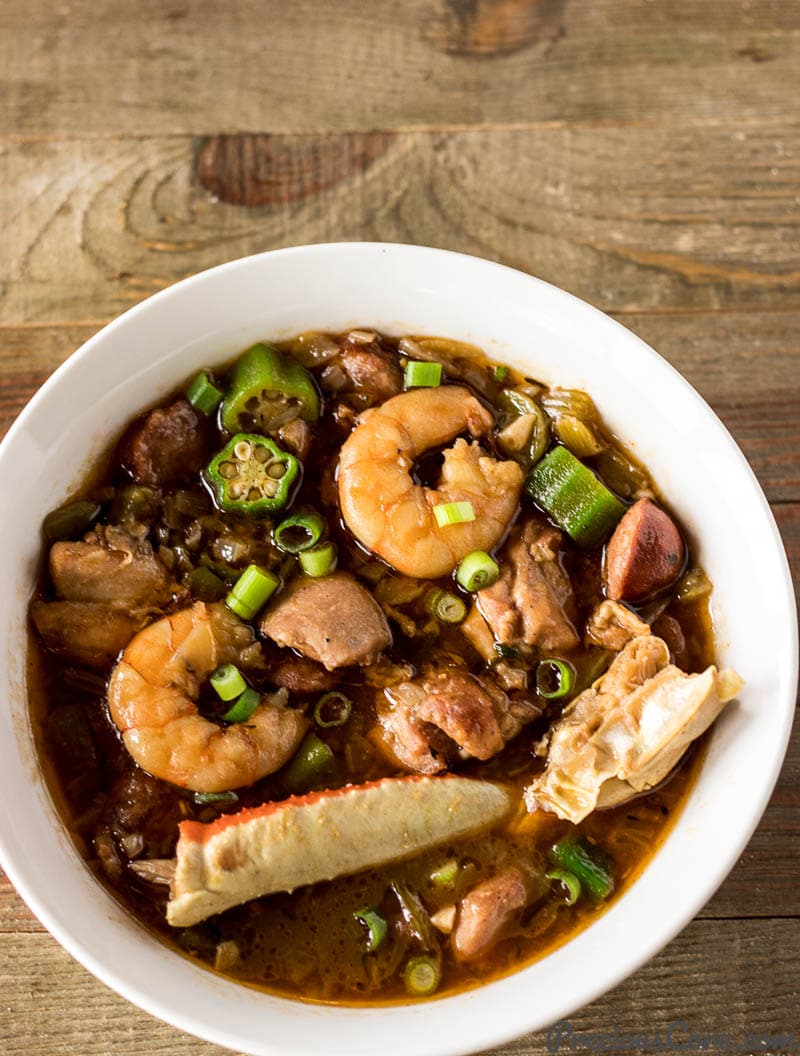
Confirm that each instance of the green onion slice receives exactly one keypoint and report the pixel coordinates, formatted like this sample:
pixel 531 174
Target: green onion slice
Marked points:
pixel 215 797
pixel 251 591
pixel 203 394
pixel 334 709
pixel 244 706
pixel 554 678
pixel 589 863
pixel 376 926
pixel 571 883
pixel 573 496
pixel 422 976
pixel 319 560
pixel 448 513
pixel 499 373
pixel 310 765
pixel 446 607
pixel 423 375
pixel 298 533
pixel 228 682
pixel 445 875
pixel 477 571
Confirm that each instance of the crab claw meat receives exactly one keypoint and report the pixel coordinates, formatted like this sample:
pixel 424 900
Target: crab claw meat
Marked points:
pixel 322 835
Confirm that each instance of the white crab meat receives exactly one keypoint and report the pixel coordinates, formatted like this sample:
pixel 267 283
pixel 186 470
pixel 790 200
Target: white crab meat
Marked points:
pixel 626 733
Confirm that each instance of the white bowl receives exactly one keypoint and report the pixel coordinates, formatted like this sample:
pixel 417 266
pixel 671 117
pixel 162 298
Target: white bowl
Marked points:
pixel 547 333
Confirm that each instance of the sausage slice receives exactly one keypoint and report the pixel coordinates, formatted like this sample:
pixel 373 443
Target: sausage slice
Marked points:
pixel 645 555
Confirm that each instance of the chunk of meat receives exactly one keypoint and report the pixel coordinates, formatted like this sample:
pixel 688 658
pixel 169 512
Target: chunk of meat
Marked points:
pixel 366 371
pixel 486 912
pixel 333 620
pixel 445 716
pixel 110 565
pixel 300 675
pixel 626 733
pixel 85 632
pixel 645 555
pixel 527 607
pixel 612 626
pixel 166 445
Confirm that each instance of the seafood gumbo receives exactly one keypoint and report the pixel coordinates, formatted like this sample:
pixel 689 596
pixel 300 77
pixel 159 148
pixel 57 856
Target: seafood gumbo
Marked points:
pixel 367 669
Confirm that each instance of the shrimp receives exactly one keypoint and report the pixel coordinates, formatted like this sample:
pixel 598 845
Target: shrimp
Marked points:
pixel 391 515
pixel 152 697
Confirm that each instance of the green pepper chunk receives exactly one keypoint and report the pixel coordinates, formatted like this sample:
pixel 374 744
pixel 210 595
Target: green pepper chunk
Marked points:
pixel 252 476
pixel 524 429
pixel 267 389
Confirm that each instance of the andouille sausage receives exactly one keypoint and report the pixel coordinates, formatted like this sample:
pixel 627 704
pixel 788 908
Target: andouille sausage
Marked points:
pixel 645 554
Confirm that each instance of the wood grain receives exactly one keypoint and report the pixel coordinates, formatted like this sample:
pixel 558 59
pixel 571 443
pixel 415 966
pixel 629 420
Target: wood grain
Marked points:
pixel 630 219
pixel 704 978
pixel 99 67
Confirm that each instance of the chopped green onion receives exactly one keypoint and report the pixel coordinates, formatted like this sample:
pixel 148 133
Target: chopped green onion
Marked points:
pixel 570 882
pixel 310 765
pixel 499 373
pixel 573 496
pixel 477 571
pixel 298 533
pixel 554 678
pixel 251 591
pixel 423 375
pixel 70 521
pixel 446 607
pixel 215 797
pixel 228 682
pixel 319 560
pixel 203 394
pixel 591 865
pixel 333 709
pixel 445 875
pixel 422 976
pixel 244 706
pixel 448 513
pixel 376 926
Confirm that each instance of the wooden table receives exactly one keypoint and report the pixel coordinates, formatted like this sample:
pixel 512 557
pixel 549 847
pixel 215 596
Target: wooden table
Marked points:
pixel 644 155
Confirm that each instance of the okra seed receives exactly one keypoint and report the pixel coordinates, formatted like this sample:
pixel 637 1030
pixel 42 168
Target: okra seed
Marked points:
pixel 270 488
pixel 243 451
pixel 261 453
pixel 276 469
pixel 228 470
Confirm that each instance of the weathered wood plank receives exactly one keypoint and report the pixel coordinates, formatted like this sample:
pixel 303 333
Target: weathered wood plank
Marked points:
pixel 92 226
pixel 735 977
pixel 747 366
pixel 265 64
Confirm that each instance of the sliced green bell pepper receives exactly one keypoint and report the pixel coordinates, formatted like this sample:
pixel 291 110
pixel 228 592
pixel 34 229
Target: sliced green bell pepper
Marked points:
pixel 267 389
pixel 252 476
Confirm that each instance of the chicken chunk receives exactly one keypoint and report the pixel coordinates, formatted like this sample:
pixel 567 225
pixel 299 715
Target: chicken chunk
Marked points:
pixel 626 733
pixel 165 446
pixel 110 565
pixel 612 626
pixel 446 716
pixel 332 620
pixel 527 607
pixel 85 632
pixel 486 912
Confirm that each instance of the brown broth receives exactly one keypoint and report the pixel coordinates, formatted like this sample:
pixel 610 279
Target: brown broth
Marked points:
pixel 307 944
